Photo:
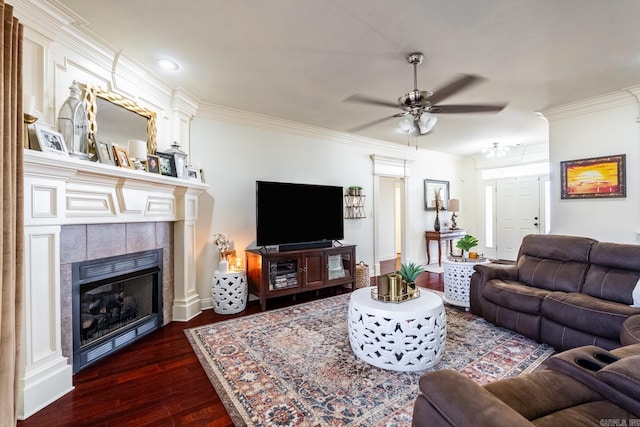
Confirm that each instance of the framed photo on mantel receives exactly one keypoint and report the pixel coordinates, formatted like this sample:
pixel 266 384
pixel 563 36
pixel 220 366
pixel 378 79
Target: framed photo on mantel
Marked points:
pixel 167 164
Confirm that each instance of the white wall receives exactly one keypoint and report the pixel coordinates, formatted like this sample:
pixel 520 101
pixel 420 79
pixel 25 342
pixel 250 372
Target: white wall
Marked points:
pixel 602 126
pixel 237 148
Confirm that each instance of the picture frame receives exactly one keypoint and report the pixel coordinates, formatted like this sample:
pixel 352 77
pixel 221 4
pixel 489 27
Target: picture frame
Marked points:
pixel 167 164
pixel 50 140
pixel 121 155
pixel 430 188
pixel 594 178
pixel 193 174
pixel 153 164
pixel 105 153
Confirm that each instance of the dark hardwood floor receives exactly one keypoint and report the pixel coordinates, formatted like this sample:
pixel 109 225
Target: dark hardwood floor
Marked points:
pixel 158 381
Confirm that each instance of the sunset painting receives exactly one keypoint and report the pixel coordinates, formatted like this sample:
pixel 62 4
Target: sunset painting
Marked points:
pixel 593 178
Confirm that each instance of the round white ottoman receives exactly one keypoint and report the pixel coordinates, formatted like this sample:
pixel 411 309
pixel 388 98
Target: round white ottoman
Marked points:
pixel 229 292
pixel 407 336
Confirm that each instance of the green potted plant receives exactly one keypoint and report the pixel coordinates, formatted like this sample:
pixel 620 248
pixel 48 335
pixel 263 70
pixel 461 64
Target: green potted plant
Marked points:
pixel 467 243
pixel 410 272
pixel 355 190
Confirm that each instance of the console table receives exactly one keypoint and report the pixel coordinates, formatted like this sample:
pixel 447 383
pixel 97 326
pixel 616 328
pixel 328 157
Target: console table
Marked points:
pixel 442 236
pixel 275 274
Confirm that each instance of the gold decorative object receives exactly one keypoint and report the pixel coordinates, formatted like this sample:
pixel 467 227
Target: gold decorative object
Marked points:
pixel 92 92
pixel 407 295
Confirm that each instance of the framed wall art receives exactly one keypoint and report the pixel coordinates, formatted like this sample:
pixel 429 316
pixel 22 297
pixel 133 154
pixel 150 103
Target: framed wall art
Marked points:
pixel 599 177
pixel 431 189
pixel 49 140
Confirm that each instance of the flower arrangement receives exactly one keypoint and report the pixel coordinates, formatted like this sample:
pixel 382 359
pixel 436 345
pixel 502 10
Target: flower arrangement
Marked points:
pixel 222 242
pixel 438 196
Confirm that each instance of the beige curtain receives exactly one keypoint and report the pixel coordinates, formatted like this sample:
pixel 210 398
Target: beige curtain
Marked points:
pixel 11 283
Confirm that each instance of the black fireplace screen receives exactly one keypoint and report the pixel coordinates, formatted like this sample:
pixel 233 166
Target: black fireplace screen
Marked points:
pixel 116 300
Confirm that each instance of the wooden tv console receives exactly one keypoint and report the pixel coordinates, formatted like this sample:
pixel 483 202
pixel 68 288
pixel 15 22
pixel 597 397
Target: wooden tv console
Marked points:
pixel 274 274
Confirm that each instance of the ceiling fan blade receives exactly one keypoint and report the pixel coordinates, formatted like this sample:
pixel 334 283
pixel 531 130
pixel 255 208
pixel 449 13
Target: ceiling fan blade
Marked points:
pixel 453 87
pixel 466 108
pixel 373 123
pixel 362 99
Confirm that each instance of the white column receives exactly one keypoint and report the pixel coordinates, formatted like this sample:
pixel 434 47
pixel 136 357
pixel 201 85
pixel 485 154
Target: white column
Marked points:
pixel 186 303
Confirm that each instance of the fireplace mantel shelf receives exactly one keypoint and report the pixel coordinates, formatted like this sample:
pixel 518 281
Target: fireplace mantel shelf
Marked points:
pixel 64 190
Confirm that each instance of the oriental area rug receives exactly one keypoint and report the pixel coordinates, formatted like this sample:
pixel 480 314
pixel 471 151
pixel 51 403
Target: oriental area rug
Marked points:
pixel 294 366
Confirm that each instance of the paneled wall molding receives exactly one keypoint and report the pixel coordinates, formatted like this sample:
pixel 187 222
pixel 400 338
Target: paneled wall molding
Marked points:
pixel 624 96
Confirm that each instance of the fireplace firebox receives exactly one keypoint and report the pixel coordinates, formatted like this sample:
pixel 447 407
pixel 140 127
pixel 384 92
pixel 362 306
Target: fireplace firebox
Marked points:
pixel 116 301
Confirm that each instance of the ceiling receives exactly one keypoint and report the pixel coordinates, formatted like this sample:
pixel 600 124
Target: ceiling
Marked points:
pixel 300 59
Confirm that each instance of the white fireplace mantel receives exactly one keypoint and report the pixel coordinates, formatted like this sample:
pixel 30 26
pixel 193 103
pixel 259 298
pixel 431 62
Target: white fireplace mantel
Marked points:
pixel 59 191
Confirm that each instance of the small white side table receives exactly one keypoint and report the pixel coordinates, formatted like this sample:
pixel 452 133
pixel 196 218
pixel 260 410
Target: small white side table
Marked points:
pixel 229 292
pixel 407 336
pixel 457 277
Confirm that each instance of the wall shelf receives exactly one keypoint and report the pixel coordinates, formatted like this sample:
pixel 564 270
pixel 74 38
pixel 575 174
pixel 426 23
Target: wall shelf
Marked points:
pixel 354 207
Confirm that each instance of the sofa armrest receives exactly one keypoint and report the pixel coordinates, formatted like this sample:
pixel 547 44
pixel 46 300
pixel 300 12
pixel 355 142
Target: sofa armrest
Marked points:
pixel 624 376
pixel 450 398
pixel 483 273
pixel 630 332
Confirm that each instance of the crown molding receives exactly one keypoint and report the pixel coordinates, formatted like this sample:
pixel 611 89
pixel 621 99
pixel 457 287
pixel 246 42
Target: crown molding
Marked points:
pixel 276 124
pixel 594 104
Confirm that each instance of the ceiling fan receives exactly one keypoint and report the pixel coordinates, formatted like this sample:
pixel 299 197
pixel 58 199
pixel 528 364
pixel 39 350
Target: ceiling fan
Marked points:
pixel 419 107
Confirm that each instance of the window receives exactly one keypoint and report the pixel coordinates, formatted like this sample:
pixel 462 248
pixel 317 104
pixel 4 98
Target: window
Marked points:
pixel 488 215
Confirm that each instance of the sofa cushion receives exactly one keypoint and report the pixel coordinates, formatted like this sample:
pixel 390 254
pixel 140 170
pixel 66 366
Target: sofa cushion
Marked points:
pixel 554 262
pixel 586 313
pixel 557 247
pixel 551 274
pixel 562 337
pixel 514 295
pixel 614 272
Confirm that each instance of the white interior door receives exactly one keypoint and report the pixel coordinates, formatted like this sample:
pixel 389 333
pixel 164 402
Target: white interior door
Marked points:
pixel 517 213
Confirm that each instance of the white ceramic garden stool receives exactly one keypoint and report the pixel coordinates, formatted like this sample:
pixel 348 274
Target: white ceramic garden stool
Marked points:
pixel 406 336
pixel 229 292
pixel 457 278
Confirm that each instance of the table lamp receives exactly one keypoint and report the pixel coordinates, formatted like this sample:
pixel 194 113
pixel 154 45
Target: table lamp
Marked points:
pixel 454 206
pixel 138 153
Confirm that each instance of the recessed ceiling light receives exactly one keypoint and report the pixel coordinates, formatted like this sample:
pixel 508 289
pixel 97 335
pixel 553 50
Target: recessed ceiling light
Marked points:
pixel 167 64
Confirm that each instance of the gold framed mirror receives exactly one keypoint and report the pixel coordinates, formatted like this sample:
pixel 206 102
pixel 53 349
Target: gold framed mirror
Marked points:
pixel 108 113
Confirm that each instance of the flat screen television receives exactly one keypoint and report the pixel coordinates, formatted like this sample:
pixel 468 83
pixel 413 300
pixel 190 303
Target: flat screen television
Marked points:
pixel 298 216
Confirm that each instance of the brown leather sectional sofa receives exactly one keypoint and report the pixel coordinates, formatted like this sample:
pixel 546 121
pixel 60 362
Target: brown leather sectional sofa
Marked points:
pixel 565 291
pixel 575 294
pixel 579 387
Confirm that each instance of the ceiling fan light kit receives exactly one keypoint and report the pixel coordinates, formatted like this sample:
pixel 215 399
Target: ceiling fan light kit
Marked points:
pixel 419 107
pixel 496 151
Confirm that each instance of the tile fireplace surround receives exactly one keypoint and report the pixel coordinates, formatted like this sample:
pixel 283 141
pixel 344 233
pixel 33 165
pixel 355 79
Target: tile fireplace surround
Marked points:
pixel 80 210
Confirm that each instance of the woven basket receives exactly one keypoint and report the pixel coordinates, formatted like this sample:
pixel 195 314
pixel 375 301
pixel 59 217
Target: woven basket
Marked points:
pixel 362 275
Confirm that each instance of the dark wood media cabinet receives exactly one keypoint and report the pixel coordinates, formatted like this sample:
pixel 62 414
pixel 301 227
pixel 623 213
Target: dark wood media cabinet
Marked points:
pixel 274 274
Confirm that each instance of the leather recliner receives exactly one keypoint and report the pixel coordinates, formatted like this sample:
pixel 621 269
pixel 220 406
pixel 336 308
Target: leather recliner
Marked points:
pixel 579 387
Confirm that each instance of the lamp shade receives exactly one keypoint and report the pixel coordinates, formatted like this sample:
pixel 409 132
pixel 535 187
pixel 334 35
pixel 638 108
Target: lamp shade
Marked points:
pixel 454 205
pixel 138 149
